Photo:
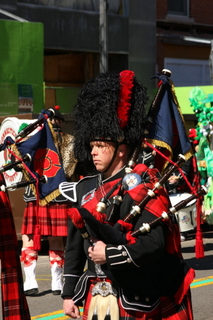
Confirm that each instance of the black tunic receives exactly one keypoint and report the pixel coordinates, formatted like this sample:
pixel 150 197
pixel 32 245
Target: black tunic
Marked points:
pixel 141 272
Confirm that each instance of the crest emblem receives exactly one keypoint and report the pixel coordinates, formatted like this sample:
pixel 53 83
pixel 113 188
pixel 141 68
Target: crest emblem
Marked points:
pixel 46 162
pixel 131 181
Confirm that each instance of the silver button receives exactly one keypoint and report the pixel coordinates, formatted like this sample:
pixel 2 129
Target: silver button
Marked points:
pixel 120 247
pixel 147 299
pixel 128 260
pixel 137 298
pixel 124 253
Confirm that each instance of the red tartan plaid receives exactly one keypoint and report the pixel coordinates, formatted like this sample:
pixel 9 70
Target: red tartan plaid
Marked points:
pixel 14 303
pixel 166 310
pixel 51 218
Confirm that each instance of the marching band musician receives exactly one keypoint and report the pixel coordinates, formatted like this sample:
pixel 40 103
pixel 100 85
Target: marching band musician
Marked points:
pixel 52 219
pixel 140 278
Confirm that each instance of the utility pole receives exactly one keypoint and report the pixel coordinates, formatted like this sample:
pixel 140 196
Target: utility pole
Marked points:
pixel 103 64
pixel 211 62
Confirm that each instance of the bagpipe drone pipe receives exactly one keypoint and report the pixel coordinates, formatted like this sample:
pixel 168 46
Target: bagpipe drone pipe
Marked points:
pixel 23 184
pixel 45 114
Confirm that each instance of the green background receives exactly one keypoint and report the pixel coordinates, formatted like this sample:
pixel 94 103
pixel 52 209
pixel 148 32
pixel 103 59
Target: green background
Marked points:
pixel 21 63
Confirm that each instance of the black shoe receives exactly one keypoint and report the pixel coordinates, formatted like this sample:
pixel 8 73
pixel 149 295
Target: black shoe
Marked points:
pixel 56 292
pixel 31 292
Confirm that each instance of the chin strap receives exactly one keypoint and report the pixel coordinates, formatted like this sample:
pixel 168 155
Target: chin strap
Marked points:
pixel 113 157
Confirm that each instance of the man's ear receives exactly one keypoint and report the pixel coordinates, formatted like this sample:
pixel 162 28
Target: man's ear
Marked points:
pixel 122 149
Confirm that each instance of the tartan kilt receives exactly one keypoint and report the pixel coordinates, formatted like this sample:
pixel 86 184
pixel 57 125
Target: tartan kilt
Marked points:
pixel 166 310
pixel 51 218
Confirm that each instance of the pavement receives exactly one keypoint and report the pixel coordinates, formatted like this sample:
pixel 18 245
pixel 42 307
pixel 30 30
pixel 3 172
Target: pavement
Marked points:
pixel 46 306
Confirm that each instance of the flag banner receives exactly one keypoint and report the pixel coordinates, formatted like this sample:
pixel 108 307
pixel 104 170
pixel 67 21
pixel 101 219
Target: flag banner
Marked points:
pixel 14 303
pixel 168 128
pixel 45 161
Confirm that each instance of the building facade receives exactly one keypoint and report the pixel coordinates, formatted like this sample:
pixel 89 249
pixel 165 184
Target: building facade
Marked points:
pixel 72 41
pixel 184 34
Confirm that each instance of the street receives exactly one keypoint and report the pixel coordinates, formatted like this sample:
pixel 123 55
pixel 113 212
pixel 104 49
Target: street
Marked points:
pixel 46 306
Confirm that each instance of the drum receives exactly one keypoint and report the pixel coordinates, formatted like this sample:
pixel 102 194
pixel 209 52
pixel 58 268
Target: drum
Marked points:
pixel 186 216
pixel 10 127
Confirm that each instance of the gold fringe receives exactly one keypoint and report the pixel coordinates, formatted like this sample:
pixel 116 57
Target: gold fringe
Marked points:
pixel 49 197
pixel 102 306
pixel 161 144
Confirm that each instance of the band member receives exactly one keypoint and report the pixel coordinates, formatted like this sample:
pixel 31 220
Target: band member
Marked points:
pixel 126 277
pixel 52 219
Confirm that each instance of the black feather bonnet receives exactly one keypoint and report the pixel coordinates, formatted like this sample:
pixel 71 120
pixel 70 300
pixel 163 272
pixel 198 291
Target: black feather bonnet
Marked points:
pixel 109 107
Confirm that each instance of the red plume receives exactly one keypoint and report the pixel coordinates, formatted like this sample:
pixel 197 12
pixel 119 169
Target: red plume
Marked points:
pixel 57 107
pixel 126 85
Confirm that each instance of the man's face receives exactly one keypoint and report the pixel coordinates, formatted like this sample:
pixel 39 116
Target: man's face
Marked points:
pixel 102 153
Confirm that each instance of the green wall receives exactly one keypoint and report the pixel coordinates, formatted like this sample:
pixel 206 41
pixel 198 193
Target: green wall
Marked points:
pixel 183 94
pixel 21 67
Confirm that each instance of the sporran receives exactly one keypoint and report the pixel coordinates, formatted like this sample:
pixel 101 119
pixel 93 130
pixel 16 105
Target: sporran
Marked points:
pixel 103 304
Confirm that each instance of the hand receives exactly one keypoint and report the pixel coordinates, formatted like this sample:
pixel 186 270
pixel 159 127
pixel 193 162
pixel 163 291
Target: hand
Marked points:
pixel 70 309
pixel 97 252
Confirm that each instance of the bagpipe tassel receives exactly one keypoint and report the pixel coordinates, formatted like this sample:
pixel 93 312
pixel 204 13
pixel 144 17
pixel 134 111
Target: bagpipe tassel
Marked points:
pixel 107 317
pixel 95 316
pixel 199 247
pixel 103 308
pixel 37 238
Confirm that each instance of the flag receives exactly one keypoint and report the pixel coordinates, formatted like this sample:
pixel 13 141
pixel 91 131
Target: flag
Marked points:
pixel 14 303
pixel 45 161
pixel 168 129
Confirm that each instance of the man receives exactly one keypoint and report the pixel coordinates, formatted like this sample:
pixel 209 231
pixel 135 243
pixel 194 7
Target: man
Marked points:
pixel 52 218
pixel 127 276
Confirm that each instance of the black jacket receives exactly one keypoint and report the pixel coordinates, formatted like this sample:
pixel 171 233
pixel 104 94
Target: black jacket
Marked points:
pixel 141 272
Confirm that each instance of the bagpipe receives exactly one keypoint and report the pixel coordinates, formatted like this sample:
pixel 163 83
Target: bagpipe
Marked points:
pixel 120 232
pixel 112 229
pixel 8 144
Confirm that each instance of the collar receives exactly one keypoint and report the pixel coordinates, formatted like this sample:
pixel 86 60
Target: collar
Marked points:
pixel 118 175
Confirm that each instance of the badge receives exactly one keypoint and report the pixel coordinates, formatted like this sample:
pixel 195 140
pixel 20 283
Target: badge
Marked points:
pixel 104 289
pixel 131 180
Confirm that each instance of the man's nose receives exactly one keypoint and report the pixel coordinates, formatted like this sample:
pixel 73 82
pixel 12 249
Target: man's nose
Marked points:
pixel 94 150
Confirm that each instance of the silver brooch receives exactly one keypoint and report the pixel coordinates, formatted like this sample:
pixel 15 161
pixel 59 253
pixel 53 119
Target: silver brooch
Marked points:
pixel 103 288
pixel 131 181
